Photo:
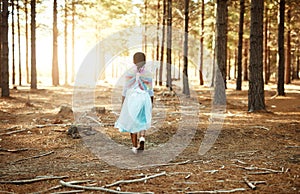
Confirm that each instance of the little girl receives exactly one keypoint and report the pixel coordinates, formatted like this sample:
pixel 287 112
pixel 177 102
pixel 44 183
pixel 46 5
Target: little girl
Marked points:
pixel 137 99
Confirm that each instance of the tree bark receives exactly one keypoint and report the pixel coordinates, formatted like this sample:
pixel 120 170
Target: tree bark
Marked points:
pixel 157 39
pixel 26 42
pixel 186 89
pixel 4 50
pixel 221 53
pixel 13 43
pixel 66 42
pixel 256 97
pixel 288 49
pixel 19 43
pixel 201 43
pixel 55 72
pixel 162 43
pixel 246 54
pixel 73 40
pixel 240 46
pixel 33 84
pixel 280 83
pixel 169 45
pixel 266 45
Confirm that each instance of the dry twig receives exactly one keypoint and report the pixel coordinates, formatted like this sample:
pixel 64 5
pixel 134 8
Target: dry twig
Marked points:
pixel 13 150
pixel 135 180
pixel 251 185
pixel 26 181
pixel 218 191
pixel 12 132
pixel 37 156
pixel 67 184
pixel 67 192
pixel 168 164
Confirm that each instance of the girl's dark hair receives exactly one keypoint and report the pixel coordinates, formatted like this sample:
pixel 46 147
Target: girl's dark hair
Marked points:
pixel 139 58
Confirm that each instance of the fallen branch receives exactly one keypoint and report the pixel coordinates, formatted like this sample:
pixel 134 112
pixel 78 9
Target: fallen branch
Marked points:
pixel 265 170
pixel 259 182
pixel 168 164
pixel 211 171
pixel 37 156
pixel 67 184
pixel 13 150
pixel 67 192
pixel 260 127
pixel 135 180
pixel 60 186
pixel 26 181
pixel 12 132
pixel 52 125
pixel 218 191
pixel 251 185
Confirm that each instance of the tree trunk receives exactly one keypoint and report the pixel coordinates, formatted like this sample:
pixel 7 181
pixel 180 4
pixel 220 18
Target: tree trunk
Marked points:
pixel 33 84
pixel 13 43
pixel 169 45
pixel 266 46
pixel 288 49
pixel 157 40
pixel 19 43
pixel 240 46
pixel 229 64
pixel 201 43
pixel 66 42
pixel 4 50
pixel 245 69
pixel 186 89
pixel 1 42
pixel 221 53
pixel 280 83
pixel 256 97
pixel 162 43
pixel 55 73
pixel 145 24
pixel 26 42
pixel 73 40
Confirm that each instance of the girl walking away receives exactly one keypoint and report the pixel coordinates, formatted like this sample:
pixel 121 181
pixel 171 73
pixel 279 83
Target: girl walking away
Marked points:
pixel 137 99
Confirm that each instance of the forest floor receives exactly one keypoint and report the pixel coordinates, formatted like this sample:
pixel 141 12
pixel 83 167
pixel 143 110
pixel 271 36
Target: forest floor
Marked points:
pixel 259 150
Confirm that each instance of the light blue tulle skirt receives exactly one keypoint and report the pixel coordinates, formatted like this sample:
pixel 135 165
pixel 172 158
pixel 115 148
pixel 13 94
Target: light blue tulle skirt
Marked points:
pixel 136 112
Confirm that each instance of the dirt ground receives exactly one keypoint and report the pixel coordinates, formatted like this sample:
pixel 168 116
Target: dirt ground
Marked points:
pixel 259 148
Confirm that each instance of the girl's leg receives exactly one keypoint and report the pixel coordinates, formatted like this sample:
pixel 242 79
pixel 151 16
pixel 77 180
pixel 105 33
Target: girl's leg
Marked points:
pixel 134 139
pixel 142 139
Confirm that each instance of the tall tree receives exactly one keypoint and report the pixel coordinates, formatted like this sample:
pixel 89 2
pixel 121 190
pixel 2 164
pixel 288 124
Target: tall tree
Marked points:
pixel 288 49
pixel 33 83
pixel 73 39
pixel 266 45
pixel 55 72
pixel 169 44
pixel 221 38
pixel 13 42
pixel 201 42
pixel 4 50
pixel 162 42
pixel 280 83
pixel 66 42
pixel 240 46
pixel 157 38
pixel 221 53
pixel 19 42
pixel 256 97
pixel 26 41
pixel 186 89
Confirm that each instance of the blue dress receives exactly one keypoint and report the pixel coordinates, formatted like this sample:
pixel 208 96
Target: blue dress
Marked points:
pixel 136 112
